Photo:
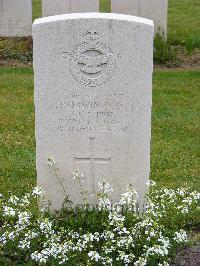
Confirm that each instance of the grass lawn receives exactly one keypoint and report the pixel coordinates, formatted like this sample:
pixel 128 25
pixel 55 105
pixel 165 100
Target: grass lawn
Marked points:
pixel 175 157
pixel 17 156
pixel 37 9
pixel 184 22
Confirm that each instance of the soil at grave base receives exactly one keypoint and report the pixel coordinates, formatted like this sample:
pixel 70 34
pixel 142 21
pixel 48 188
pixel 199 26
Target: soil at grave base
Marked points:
pixel 189 256
pixel 14 63
pixel 184 60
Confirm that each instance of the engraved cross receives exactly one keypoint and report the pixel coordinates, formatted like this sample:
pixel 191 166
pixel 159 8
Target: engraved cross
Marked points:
pixel 92 159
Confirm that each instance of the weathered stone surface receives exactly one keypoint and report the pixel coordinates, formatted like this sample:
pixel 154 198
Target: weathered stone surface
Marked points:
pixel 129 7
pixel 151 9
pixel 93 83
pixel 156 10
pixel 15 18
pixel 57 7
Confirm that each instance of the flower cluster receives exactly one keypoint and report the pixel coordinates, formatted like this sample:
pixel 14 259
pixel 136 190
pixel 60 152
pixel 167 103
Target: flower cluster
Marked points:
pixel 119 235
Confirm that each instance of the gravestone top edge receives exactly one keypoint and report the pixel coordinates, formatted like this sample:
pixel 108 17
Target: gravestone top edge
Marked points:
pixel 111 16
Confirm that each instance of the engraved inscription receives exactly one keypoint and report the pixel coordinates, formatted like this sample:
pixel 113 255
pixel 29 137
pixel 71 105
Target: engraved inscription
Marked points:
pixel 92 63
pixel 9 25
pixel 85 113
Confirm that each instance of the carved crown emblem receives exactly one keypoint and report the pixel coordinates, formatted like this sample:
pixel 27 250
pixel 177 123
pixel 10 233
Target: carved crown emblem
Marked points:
pixel 91 36
pixel 92 63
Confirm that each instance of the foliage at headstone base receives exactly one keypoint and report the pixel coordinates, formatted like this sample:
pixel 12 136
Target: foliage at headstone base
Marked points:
pixel 164 53
pixel 17 48
pixel 109 234
pixel 192 43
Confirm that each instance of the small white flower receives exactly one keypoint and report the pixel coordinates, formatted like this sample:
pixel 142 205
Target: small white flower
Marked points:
pixel 185 210
pixel 94 255
pixel 38 191
pixel 77 175
pixel 195 195
pixel 24 244
pixel 24 218
pixel 116 219
pixel 151 183
pixel 25 201
pixel 163 264
pixel 104 203
pixel 11 236
pixel 129 198
pixel 3 238
pixel 181 236
pixel 45 226
pixel 8 211
pixel 141 262
pixel 105 187
pixel 14 200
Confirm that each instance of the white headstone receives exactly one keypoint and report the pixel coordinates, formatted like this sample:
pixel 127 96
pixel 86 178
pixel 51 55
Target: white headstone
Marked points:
pixel 156 10
pixel 129 7
pixel 57 7
pixel 15 18
pixel 151 9
pixel 93 85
